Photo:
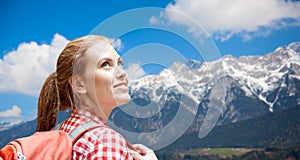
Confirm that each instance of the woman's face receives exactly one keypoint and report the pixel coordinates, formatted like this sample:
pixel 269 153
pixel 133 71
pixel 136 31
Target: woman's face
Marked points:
pixel 110 80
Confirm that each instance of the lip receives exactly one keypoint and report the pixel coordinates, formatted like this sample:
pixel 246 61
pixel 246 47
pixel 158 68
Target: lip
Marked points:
pixel 120 85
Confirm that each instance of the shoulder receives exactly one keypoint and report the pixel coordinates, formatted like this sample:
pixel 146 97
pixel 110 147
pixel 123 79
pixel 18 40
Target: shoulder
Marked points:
pixel 102 142
pixel 106 135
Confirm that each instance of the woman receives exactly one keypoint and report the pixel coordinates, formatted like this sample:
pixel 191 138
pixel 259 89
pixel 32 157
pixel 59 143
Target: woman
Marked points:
pixel 90 80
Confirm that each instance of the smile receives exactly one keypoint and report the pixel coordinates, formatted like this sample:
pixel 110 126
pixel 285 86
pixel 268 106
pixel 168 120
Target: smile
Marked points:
pixel 120 85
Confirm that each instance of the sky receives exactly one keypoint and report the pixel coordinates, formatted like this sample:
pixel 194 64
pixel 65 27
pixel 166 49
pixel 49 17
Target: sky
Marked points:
pixel 34 32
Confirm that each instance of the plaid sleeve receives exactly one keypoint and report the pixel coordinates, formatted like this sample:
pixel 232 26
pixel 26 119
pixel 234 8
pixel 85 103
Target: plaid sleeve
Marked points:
pixel 101 144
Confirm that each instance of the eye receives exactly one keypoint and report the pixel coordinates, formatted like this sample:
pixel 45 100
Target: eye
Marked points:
pixel 105 65
pixel 120 63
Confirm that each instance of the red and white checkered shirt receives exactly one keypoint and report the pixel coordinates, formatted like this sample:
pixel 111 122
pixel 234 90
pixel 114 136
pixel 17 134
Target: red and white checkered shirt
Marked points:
pixel 100 143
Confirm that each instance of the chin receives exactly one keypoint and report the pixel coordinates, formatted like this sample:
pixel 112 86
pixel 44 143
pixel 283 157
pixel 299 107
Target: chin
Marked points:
pixel 122 99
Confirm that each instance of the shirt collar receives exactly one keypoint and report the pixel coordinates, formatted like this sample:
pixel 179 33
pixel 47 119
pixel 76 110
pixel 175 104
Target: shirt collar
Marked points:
pixel 85 114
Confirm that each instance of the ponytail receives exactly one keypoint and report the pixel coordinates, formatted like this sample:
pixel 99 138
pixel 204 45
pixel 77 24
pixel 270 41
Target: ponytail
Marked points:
pixel 56 93
pixel 48 104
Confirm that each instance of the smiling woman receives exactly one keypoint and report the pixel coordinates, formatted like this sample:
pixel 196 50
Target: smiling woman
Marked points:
pixel 89 79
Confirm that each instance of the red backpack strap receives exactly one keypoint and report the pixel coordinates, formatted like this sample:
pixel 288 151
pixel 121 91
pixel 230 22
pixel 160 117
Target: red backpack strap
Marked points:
pixel 9 152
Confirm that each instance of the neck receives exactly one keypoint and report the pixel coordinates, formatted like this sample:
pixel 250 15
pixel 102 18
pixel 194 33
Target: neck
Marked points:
pixel 95 108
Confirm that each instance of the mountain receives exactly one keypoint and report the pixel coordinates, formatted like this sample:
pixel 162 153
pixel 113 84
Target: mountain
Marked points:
pixel 7 124
pixel 193 97
pixel 274 129
pixel 17 131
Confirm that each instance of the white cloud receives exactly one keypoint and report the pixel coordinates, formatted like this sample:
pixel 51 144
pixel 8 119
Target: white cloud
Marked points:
pixel 223 19
pixel 117 44
pixel 135 71
pixel 25 69
pixel 15 111
pixel 153 20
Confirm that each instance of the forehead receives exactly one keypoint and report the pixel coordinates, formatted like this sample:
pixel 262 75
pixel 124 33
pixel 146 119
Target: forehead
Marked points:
pixel 100 50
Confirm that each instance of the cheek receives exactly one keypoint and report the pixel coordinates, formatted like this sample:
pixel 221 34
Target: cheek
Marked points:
pixel 103 82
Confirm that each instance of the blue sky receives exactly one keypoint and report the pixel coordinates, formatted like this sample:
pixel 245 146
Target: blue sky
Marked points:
pixel 32 28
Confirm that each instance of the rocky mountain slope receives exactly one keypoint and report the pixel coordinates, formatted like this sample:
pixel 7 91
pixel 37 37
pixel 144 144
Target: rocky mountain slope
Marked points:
pixel 197 96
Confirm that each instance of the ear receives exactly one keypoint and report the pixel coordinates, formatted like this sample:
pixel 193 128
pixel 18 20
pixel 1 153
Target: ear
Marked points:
pixel 77 85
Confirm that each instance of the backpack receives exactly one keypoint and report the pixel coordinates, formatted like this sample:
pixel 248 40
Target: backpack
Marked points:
pixel 49 145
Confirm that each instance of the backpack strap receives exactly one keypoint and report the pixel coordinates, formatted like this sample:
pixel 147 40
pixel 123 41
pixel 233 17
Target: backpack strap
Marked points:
pixel 82 129
pixel 57 126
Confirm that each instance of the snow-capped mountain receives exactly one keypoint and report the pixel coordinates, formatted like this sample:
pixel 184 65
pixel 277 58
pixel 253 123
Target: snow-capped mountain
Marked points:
pixel 218 92
pixel 8 122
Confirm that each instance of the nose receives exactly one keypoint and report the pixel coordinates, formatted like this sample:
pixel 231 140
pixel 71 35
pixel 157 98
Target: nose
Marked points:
pixel 120 73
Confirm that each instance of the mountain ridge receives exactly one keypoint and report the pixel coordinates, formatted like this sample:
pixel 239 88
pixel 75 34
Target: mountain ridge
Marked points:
pixel 262 78
pixel 215 93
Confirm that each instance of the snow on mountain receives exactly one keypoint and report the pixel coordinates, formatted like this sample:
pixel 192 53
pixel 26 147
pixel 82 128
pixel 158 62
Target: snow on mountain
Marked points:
pixel 256 75
pixel 196 96
pixel 8 122
pixel 236 88
pixel 295 47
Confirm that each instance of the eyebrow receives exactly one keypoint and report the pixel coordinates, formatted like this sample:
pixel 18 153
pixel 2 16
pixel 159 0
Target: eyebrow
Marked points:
pixel 120 59
pixel 108 59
